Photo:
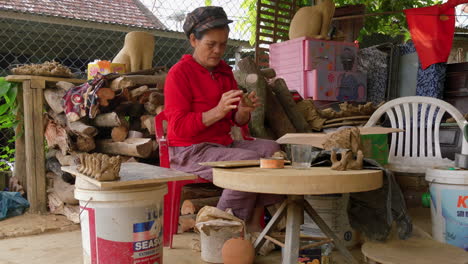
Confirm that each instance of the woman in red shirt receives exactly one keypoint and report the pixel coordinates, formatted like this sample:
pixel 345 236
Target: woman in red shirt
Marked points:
pixel 202 102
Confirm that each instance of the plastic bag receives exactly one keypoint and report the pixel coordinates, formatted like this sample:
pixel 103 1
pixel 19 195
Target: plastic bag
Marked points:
pixel 12 204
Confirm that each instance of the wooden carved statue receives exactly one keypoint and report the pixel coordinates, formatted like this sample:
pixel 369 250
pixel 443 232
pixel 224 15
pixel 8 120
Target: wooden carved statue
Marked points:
pixel 313 21
pixel 349 141
pixel 100 166
pixel 137 52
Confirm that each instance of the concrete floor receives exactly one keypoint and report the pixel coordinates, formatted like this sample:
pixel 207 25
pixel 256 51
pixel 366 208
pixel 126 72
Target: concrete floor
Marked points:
pixel 65 247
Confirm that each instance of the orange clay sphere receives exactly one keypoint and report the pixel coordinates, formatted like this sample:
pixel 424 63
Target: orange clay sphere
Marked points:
pixel 238 251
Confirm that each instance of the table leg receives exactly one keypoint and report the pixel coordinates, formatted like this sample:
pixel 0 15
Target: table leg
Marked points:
pixel 279 213
pixel 328 232
pixel 294 219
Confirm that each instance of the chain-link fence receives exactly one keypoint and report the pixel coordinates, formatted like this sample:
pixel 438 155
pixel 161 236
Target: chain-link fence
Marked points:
pixel 77 44
pixel 30 37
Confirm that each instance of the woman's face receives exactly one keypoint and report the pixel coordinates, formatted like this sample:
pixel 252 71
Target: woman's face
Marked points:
pixel 210 48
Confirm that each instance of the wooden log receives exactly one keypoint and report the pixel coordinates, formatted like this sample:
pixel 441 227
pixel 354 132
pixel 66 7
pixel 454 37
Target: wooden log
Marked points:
pixel 109 120
pixel 135 147
pixel 200 190
pixel 289 105
pixel 119 133
pixel 192 206
pixel 137 80
pixel 159 109
pixel 65 160
pixel 147 122
pixel 85 144
pixel 257 84
pixel 63 189
pixel 276 117
pixel 82 129
pixel 64 85
pixel 53 98
pixel 138 91
pixel 155 99
pixel 56 135
pixel 186 222
pixel 268 73
pixel 104 95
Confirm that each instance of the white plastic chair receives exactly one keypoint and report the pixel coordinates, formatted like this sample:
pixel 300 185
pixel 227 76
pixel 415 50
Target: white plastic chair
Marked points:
pixel 417 148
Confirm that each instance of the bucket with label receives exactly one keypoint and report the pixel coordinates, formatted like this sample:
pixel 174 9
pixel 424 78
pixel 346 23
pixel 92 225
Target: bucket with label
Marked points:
pixel 121 225
pixel 449 205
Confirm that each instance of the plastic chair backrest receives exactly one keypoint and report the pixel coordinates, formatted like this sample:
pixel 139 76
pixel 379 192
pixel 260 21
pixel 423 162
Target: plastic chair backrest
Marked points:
pixel 420 117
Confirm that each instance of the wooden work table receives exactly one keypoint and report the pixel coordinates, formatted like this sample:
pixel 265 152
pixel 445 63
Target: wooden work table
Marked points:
pixel 134 174
pixel 295 184
pixel 29 156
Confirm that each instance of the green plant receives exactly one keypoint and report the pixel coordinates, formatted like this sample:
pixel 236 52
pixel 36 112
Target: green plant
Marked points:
pixel 388 24
pixel 8 119
pixel 393 24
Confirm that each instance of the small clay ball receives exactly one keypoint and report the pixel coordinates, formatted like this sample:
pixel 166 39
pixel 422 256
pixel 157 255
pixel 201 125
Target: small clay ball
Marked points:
pixel 238 251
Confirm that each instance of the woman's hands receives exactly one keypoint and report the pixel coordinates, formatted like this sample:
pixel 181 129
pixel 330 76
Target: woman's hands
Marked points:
pixel 249 102
pixel 228 103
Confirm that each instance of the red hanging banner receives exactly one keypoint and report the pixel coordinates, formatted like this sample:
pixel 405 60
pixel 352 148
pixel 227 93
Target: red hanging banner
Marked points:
pixel 432 29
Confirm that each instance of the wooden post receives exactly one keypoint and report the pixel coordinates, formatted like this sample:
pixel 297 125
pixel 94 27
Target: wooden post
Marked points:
pixel 294 219
pixel 34 163
pixel 20 154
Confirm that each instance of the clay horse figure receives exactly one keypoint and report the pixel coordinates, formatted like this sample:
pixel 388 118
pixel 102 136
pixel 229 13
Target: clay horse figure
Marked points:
pixel 313 21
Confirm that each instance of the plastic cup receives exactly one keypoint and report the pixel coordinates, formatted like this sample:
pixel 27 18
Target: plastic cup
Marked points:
pixel 301 156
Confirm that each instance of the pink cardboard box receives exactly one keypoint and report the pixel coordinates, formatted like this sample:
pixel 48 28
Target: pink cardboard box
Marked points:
pixel 335 86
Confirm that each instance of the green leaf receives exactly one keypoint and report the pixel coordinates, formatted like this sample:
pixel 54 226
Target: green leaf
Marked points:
pixel 4 108
pixel 208 2
pixel 12 92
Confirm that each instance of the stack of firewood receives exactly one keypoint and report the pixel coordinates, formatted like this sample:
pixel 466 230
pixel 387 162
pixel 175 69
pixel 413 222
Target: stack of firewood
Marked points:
pixel 124 125
pixel 280 114
pixel 194 197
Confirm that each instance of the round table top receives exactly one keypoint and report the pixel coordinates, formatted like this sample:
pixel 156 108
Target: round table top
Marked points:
pixel 314 180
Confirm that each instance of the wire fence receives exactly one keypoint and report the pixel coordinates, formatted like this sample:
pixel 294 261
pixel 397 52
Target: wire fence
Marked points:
pixel 75 46
pixel 34 38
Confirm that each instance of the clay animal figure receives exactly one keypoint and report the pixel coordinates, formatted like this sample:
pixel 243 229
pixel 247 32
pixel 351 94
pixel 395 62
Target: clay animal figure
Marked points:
pixel 137 52
pixel 347 161
pixel 100 166
pixel 313 21
pixel 349 141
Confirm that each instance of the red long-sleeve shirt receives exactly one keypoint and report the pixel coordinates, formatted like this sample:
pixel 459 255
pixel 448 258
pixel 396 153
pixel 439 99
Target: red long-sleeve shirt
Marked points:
pixel 189 90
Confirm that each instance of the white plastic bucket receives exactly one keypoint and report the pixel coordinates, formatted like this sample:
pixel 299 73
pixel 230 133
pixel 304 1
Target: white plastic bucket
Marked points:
pixel 211 244
pixel 333 210
pixel 449 205
pixel 122 225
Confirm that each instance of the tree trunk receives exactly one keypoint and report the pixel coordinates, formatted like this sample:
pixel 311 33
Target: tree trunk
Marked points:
pixel 82 129
pixel 187 222
pixel 119 133
pixel 277 118
pixel 192 206
pixel 109 120
pixel 289 105
pixel 53 98
pixel 135 147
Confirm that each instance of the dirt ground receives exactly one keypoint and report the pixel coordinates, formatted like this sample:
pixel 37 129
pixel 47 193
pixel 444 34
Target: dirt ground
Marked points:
pixel 42 239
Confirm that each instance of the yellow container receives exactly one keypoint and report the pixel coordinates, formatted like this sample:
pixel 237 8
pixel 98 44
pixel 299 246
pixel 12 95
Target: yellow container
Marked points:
pixel 104 67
